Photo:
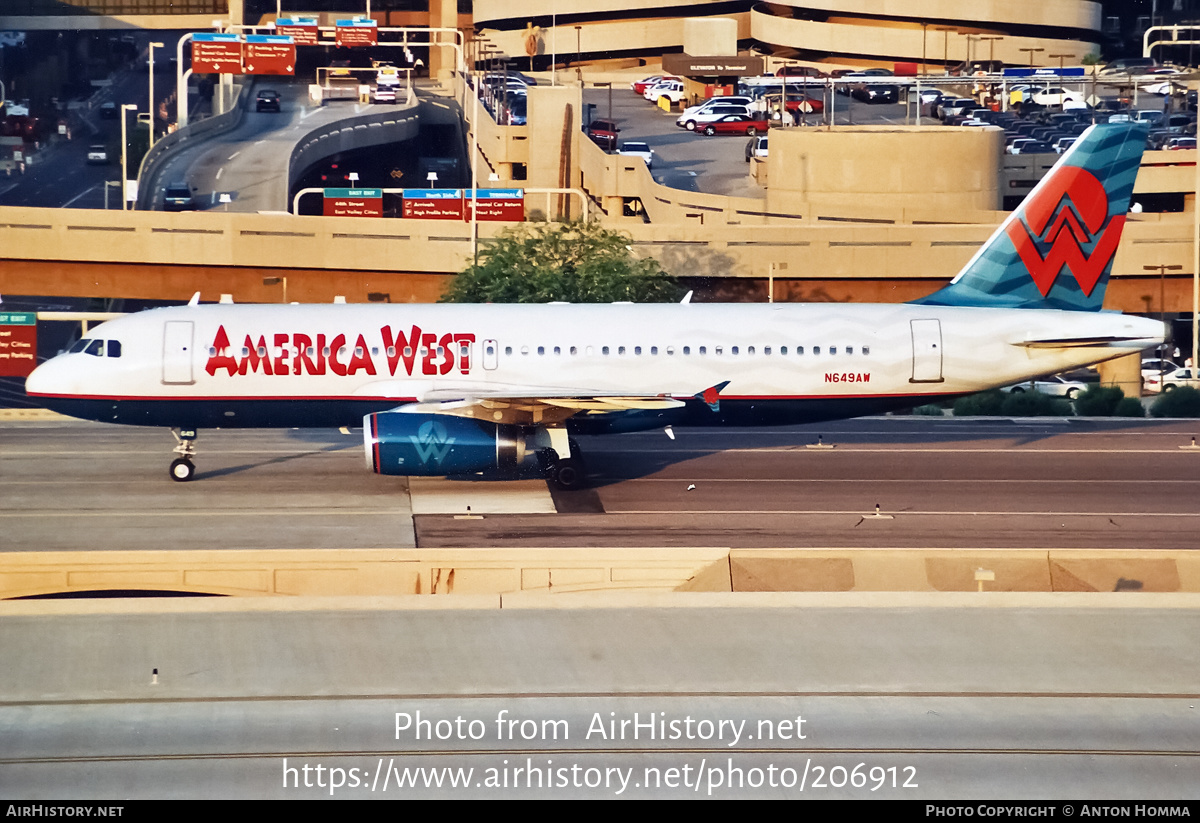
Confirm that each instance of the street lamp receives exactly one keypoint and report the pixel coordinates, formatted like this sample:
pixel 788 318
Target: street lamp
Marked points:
pixel 946 46
pixel 150 106
pixel 125 157
pixel 1031 53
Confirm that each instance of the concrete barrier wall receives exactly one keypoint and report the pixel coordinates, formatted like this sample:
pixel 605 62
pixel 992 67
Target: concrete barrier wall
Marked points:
pixel 360 132
pixel 580 572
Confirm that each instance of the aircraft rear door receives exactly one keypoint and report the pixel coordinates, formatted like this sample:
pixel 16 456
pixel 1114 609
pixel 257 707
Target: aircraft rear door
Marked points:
pixel 177 352
pixel 927 351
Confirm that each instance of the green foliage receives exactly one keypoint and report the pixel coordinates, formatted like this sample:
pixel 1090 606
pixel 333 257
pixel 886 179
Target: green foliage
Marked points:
pixel 996 403
pixel 574 262
pixel 929 410
pixel 1099 401
pixel 1091 59
pixel 1180 402
pixel 985 404
pixel 1035 404
pixel 1129 407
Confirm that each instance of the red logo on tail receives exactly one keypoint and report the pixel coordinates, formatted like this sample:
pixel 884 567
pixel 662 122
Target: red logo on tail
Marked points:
pixel 1080 221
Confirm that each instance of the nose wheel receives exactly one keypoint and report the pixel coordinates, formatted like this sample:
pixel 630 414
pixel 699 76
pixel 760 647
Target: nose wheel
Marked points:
pixel 182 468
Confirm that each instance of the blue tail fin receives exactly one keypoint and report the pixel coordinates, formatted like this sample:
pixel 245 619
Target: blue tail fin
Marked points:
pixel 1056 250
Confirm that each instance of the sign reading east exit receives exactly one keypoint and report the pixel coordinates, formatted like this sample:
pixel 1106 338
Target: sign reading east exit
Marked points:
pixel 18 343
pixel 353 203
pixel 269 54
pixel 356 32
pixel 216 54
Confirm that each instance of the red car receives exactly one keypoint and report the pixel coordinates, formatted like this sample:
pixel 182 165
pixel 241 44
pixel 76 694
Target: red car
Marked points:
pixel 639 87
pixel 736 124
pixel 808 105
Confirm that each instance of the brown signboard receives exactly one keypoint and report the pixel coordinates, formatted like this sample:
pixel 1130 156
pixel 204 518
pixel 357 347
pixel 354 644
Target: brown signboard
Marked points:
pixel 353 203
pixel 356 33
pixel 301 35
pixel 688 66
pixel 216 54
pixel 18 343
pixel 433 204
pixel 266 54
pixel 506 205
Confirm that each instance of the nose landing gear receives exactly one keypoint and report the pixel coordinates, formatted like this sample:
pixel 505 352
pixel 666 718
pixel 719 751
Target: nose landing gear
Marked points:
pixel 182 468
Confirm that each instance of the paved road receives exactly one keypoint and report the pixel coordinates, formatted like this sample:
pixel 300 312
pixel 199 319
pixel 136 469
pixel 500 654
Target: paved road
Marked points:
pixel 999 698
pixel 944 483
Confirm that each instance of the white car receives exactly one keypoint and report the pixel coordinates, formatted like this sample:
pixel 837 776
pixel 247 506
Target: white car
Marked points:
pixel 712 103
pixel 642 150
pixel 1153 370
pixel 691 121
pixel 1055 385
pixel 670 89
pixel 1173 380
pixel 1054 96
pixel 97 154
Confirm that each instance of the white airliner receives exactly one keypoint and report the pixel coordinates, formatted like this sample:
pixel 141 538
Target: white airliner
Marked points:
pixel 452 389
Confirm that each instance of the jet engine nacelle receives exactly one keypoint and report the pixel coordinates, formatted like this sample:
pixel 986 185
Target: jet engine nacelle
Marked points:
pixel 437 444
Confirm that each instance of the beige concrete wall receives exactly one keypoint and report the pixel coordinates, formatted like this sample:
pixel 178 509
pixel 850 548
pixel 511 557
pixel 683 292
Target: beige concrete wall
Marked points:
pixel 554 115
pixel 468 573
pixel 935 168
pixel 889 41
pixel 1080 14
pixel 710 36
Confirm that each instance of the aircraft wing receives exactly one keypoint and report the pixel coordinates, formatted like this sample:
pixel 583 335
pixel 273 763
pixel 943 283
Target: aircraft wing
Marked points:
pixel 534 405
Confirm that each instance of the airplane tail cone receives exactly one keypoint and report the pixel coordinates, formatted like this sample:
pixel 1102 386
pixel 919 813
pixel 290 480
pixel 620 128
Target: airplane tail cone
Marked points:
pixel 1056 250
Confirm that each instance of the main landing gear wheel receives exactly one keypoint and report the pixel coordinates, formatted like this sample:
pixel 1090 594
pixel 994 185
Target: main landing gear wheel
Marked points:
pixel 567 474
pixel 182 470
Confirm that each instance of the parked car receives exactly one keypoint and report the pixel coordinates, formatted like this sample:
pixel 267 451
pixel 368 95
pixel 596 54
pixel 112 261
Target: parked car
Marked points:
pixel 736 124
pixel 642 150
pixel 97 154
pixel 1155 368
pixel 799 71
pixel 604 133
pixel 878 93
pixel 756 147
pixel 1055 385
pixel 268 100
pixel 178 197
pixel 671 89
pixel 700 119
pixel 717 102
pixel 1173 380
pixel 639 86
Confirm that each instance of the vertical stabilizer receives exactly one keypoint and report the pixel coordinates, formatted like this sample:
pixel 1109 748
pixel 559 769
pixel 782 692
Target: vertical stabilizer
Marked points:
pixel 1056 250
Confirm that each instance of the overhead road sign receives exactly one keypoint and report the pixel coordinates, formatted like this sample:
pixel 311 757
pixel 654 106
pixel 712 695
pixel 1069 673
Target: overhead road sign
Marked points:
pixel 495 204
pixel 688 65
pixel 269 54
pixel 1075 71
pixel 432 204
pixel 303 30
pixel 356 33
pixel 216 54
pixel 18 343
pixel 353 203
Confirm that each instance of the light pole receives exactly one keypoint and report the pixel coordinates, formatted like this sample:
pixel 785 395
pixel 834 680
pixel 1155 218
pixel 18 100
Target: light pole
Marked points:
pixel 125 157
pixel 1062 98
pixel 1162 306
pixel 150 106
pixel 946 46
pixel 1031 53
pixel 1196 280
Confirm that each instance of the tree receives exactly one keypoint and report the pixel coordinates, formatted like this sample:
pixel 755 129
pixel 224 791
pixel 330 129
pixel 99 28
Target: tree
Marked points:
pixel 573 262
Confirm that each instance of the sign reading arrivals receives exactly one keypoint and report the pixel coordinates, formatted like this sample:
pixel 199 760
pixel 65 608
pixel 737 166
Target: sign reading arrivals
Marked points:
pixel 216 54
pixel 269 54
pixel 433 204
pixel 353 203
pixel 18 343
pixel 303 30
pixel 356 32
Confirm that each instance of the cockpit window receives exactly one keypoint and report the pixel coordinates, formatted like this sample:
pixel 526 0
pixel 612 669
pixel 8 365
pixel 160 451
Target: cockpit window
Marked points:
pixel 79 346
pixel 95 347
pixel 114 348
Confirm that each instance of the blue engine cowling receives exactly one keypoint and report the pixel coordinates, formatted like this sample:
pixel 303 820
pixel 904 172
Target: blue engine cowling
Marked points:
pixel 438 444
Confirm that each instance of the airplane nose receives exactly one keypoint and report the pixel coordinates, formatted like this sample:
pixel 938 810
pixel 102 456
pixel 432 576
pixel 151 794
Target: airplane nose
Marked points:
pixel 45 379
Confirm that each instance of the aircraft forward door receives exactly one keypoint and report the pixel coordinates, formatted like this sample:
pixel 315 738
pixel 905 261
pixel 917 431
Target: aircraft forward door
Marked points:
pixel 927 351
pixel 491 354
pixel 177 352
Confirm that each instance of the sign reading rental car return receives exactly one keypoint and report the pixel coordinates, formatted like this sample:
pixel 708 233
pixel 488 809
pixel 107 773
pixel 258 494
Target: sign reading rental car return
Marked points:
pixel 216 54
